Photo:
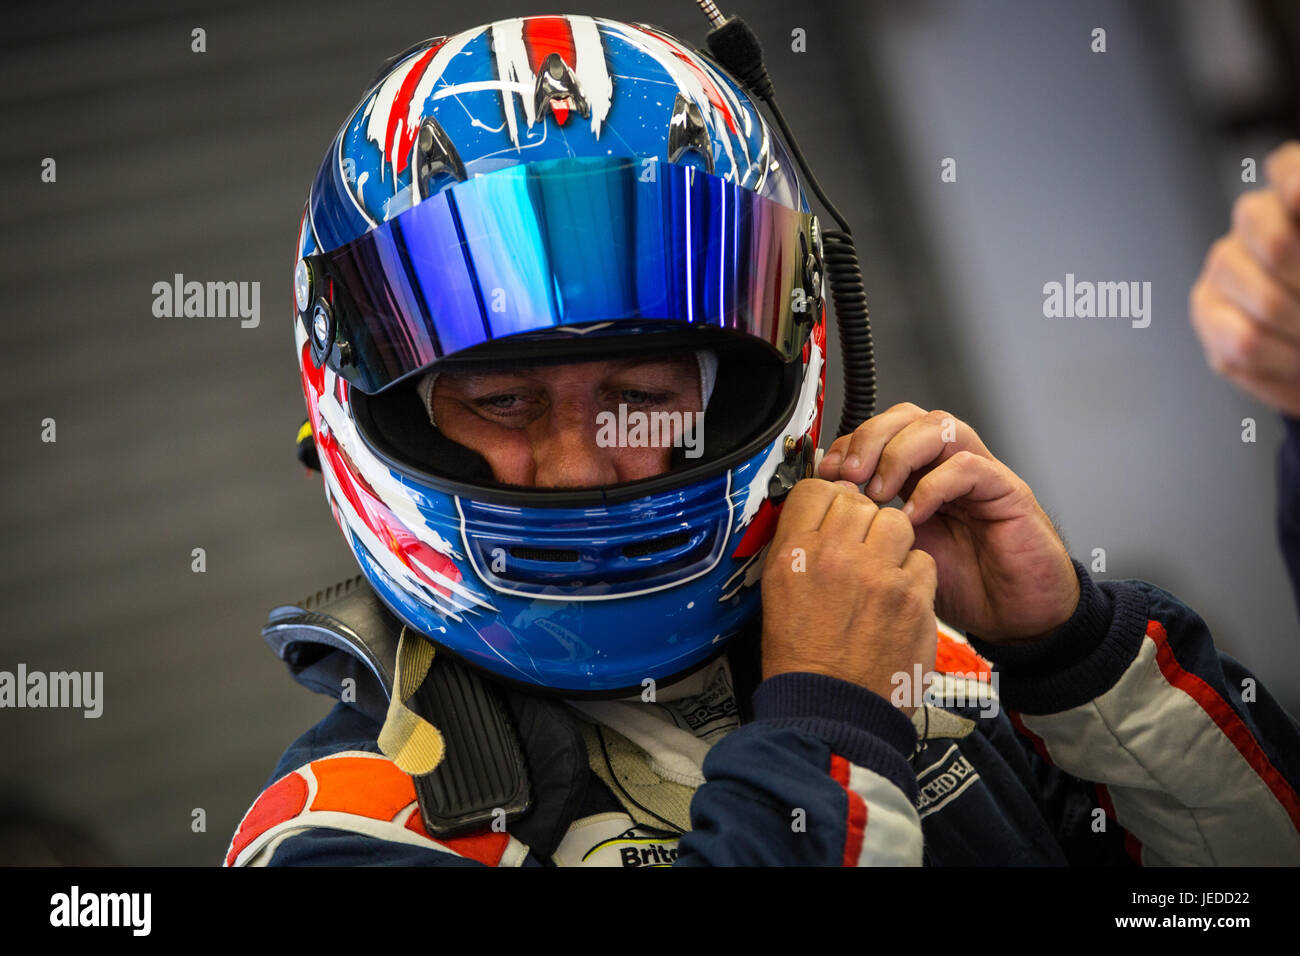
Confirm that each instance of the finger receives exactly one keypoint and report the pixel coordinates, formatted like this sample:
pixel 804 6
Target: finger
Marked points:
pixel 922 565
pixel 1283 167
pixel 853 456
pixel 909 485
pixel 805 507
pixel 923 444
pixel 829 467
pixel 1271 236
pixel 1234 341
pixel 921 568
pixel 848 518
pixel 1233 272
pixel 1280 394
pixel 964 475
pixel 891 536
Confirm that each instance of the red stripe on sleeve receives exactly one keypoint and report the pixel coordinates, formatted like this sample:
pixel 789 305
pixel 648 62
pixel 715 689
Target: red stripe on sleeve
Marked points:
pixel 856 823
pixel 1034 739
pixel 1226 719
pixel 1132 845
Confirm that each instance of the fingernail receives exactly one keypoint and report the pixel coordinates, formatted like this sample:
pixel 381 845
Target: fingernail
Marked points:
pixel 853 461
pixel 908 509
pixel 877 485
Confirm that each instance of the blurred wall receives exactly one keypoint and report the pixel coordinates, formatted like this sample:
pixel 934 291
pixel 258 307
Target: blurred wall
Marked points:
pixel 1097 165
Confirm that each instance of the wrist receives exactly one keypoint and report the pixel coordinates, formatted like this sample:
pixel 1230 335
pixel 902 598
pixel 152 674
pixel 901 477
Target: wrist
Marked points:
pixel 1065 613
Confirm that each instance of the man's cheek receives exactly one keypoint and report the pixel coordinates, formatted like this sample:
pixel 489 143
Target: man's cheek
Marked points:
pixel 634 464
pixel 511 461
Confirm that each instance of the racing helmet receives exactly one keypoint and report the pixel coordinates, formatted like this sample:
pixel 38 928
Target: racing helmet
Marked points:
pixel 559 189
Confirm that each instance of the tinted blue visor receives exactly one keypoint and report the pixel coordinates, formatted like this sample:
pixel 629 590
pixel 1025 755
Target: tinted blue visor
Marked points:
pixel 561 243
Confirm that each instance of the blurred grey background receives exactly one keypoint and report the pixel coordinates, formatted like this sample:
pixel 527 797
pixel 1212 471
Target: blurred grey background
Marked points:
pixel 175 434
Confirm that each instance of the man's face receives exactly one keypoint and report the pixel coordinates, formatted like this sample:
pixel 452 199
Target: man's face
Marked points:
pixel 538 426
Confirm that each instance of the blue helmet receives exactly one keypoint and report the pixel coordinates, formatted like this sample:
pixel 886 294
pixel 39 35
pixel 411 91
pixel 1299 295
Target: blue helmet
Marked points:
pixel 557 189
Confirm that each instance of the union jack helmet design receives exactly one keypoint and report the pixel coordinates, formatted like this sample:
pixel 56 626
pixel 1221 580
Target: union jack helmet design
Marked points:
pixel 559 186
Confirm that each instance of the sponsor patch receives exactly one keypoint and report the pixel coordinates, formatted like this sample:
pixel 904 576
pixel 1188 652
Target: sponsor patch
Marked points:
pixel 943 781
pixel 613 839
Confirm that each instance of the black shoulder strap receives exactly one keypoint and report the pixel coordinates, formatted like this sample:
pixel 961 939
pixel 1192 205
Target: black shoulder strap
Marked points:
pixel 483 780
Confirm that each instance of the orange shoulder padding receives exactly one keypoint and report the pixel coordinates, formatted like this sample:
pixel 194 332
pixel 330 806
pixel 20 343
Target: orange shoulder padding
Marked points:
pixel 362 785
pixel 374 788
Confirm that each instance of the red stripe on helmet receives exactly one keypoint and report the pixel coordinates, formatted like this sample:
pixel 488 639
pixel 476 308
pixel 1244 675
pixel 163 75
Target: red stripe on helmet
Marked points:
pixel 546 35
pixel 401 109
pixel 380 519
pixel 710 88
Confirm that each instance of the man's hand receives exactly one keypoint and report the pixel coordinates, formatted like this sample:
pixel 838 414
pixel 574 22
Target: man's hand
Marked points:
pixel 1003 572
pixel 844 594
pixel 1245 305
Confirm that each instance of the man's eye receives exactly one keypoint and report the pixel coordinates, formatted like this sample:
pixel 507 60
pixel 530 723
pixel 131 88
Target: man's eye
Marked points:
pixel 640 396
pixel 501 403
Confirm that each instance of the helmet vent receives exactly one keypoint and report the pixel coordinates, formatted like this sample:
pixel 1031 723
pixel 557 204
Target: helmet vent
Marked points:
pixel 655 545
pixel 544 554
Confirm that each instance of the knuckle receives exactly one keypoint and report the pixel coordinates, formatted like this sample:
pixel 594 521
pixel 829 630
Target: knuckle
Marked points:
pixel 1219 257
pixel 1245 345
pixel 893 586
pixel 835 563
pixel 847 503
pixel 808 488
pixel 895 522
pixel 861 503
pixel 914 599
pixel 1272 303
pixel 907 407
pixel 1217 360
pixel 1276 247
pixel 1245 209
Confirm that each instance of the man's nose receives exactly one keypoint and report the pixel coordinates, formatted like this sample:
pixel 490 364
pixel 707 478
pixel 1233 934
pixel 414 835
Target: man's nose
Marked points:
pixel 566 453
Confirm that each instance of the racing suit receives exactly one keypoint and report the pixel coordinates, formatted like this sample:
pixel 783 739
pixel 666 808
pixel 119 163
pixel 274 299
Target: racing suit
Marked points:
pixel 1124 737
